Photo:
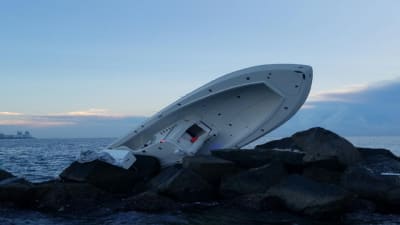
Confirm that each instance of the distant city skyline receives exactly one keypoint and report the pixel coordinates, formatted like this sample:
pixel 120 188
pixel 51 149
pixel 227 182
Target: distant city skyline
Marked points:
pixel 96 68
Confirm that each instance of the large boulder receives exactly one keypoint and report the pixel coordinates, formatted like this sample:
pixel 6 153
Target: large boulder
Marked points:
pixel 306 196
pixel 149 202
pixel 320 144
pixel 56 196
pixel 210 168
pixel 252 158
pixel 376 178
pixel 5 174
pixel 183 185
pixel 112 178
pixel 256 180
pixel 16 191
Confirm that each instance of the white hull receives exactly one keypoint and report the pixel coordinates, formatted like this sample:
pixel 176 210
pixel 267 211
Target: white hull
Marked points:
pixel 229 112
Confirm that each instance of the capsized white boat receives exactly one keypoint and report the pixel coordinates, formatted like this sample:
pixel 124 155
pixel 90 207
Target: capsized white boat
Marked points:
pixel 229 112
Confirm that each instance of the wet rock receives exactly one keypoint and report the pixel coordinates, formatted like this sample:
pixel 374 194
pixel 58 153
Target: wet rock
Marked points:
pixel 149 202
pixel 56 196
pixel 16 191
pixel 252 158
pixel 284 143
pixel 112 178
pixel 5 174
pixel 210 168
pixel 320 144
pixel 303 195
pixel 183 185
pixel 256 180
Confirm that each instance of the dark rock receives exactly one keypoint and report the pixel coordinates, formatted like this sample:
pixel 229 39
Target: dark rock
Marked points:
pixel 183 185
pixel 392 198
pixel 257 180
pixel 5 174
pixel 103 175
pixel 322 175
pixel 331 164
pixel 284 143
pixel 112 178
pixel 146 166
pixel 303 195
pixel 65 196
pixel 372 153
pixel 366 183
pixel 320 144
pixel 258 157
pixel 228 214
pixel 250 201
pixel 210 168
pixel 16 191
pixel 149 202
pixel 258 202
pixel 271 203
pixel 376 178
pixel 163 177
pixel 360 205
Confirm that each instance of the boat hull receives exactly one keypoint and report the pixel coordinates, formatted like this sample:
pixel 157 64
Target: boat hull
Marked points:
pixel 236 109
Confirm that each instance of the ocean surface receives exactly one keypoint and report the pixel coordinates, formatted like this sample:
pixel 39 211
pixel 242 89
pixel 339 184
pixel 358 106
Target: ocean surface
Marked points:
pixel 43 159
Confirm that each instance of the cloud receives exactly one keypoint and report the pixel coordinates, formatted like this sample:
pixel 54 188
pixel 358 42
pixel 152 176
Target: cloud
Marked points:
pixel 339 95
pixel 57 119
pixel 370 109
pixel 360 110
pixel 359 92
pixel 91 112
pixel 82 123
pixel 10 114
pixel 33 123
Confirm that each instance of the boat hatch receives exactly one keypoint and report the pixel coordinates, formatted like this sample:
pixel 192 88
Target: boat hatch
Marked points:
pixel 195 132
pixel 192 136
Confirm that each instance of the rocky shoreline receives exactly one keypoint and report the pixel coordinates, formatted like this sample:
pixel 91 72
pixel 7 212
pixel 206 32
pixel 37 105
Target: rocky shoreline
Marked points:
pixel 313 174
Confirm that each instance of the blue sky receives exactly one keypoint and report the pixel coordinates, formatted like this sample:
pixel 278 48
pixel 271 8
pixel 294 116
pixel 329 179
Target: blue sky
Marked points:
pixel 97 67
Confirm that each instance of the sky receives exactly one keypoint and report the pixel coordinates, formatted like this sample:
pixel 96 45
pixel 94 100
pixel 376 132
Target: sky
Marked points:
pixel 90 68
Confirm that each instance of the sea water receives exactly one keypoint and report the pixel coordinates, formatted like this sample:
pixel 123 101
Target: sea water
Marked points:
pixel 43 159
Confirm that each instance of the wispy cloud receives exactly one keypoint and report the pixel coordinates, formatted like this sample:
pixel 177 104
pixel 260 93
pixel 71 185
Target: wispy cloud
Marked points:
pixel 80 123
pixel 90 112
pixel 34 123
pixel 58 119
pixel 10 114
pixel 359 110
pixel 338 95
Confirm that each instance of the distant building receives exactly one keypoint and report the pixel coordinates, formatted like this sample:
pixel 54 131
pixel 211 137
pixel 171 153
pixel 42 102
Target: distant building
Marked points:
pixel 19 135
